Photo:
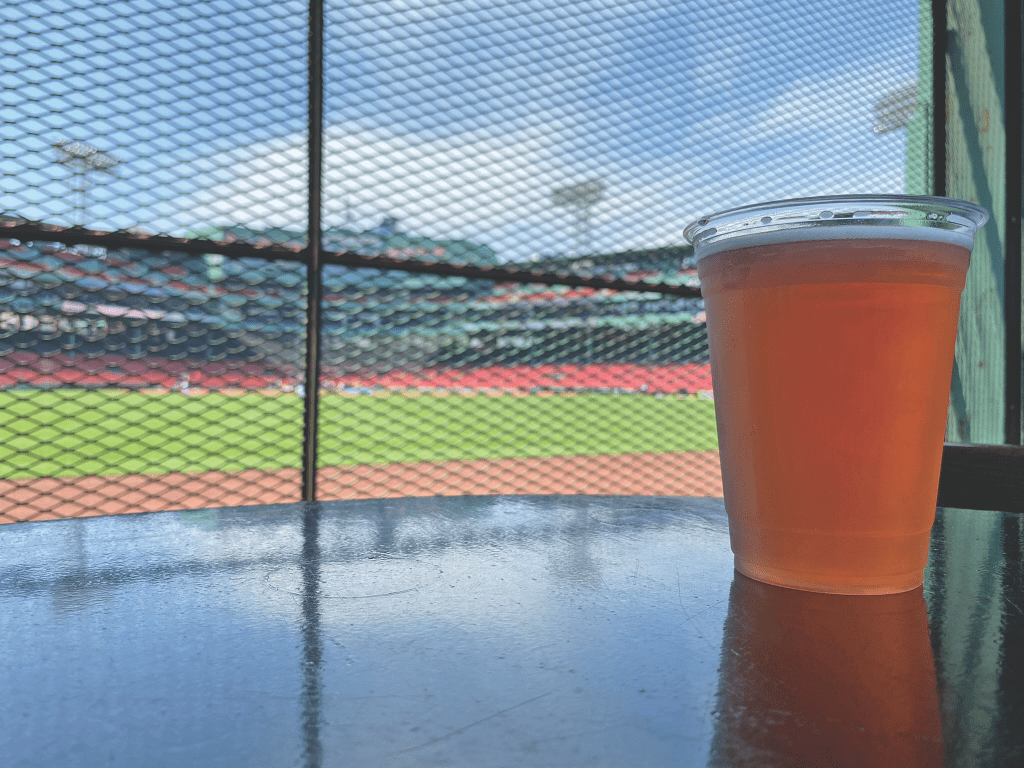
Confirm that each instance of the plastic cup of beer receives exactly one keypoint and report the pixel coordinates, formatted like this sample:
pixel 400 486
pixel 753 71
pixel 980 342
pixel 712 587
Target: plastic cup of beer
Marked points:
pixel 831 330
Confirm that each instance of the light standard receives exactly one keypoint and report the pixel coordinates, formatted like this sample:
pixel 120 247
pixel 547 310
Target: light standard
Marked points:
pixel 894 111
pixel 580 198
pixel 82 159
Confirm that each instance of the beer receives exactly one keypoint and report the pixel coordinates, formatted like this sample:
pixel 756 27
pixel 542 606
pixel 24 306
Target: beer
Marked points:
pixel 831 361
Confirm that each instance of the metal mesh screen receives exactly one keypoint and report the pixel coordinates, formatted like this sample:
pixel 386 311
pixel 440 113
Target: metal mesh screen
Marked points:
pixel 159 115
pixel 452 386
pixel 558 137
pixel 132 381
pixel 574 139
pixel 539 128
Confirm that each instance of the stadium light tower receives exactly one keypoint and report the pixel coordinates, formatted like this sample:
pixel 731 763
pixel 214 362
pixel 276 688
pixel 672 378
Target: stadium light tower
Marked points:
pixel 83 159
pixel 580 198
pixel 895 109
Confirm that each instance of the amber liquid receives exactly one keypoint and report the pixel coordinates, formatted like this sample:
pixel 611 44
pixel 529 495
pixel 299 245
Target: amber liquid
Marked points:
pixel 831 363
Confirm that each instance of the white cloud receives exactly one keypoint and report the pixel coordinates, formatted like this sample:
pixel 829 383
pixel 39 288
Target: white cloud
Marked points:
pixel 493 186
pixel 485 186
pixel 841 105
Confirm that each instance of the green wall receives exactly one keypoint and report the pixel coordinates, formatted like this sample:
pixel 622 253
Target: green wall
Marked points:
pixel 976 171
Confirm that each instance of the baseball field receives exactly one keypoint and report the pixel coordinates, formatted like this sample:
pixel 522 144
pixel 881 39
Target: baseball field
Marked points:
pixel 81 432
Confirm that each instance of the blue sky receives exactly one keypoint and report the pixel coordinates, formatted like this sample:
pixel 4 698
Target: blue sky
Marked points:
pixel 458 117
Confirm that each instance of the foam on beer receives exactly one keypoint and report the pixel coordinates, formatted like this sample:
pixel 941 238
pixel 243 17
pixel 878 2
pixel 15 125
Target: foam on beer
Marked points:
pixel 845 231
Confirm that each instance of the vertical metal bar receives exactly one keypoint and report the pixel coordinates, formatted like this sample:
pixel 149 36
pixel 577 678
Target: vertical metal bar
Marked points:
pixel 312 643
pixel 313 249
pixel 938 126
pixel 1012 263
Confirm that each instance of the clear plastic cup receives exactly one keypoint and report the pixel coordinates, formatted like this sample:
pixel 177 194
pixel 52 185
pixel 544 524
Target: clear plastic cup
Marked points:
pixel 832 326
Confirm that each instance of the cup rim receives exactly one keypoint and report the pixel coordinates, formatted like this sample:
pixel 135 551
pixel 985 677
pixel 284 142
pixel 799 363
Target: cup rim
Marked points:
pixel 837 216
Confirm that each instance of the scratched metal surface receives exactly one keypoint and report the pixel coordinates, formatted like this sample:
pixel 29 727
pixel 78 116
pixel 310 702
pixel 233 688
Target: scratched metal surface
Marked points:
pixel 489 631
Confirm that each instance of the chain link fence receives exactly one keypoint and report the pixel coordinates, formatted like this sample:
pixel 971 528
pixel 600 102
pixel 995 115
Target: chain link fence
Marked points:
pixel 506 303
pixel 449 385
pixel 137 381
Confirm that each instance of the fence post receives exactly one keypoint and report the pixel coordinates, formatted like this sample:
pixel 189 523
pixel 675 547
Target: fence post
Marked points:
pixel 313 248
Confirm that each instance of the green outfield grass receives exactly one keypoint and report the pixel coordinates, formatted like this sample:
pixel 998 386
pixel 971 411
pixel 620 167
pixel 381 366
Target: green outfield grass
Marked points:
pixel 72 432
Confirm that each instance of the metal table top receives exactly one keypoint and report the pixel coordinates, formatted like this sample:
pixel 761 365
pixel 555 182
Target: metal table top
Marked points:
pixel 492 631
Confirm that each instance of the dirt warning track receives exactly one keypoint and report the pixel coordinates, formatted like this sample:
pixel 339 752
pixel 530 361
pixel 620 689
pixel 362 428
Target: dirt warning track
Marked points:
pixel 694 473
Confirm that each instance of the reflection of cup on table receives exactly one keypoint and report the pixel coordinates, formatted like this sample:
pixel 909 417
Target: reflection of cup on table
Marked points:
pixel 831 327
pixel 826 680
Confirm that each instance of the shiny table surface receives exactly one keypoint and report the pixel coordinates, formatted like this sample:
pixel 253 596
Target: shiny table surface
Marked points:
pixel 492 631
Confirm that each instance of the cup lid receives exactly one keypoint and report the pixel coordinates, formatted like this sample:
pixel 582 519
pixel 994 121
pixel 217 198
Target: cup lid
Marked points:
pixel 840 216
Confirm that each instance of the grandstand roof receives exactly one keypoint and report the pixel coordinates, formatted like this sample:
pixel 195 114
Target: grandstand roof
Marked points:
pixel 653 264
pixel 380 241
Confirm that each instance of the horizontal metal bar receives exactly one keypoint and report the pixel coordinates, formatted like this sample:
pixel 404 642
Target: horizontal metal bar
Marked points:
pixel 500 275
pixel 29 231
pixel 989 477
pixel 79 236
